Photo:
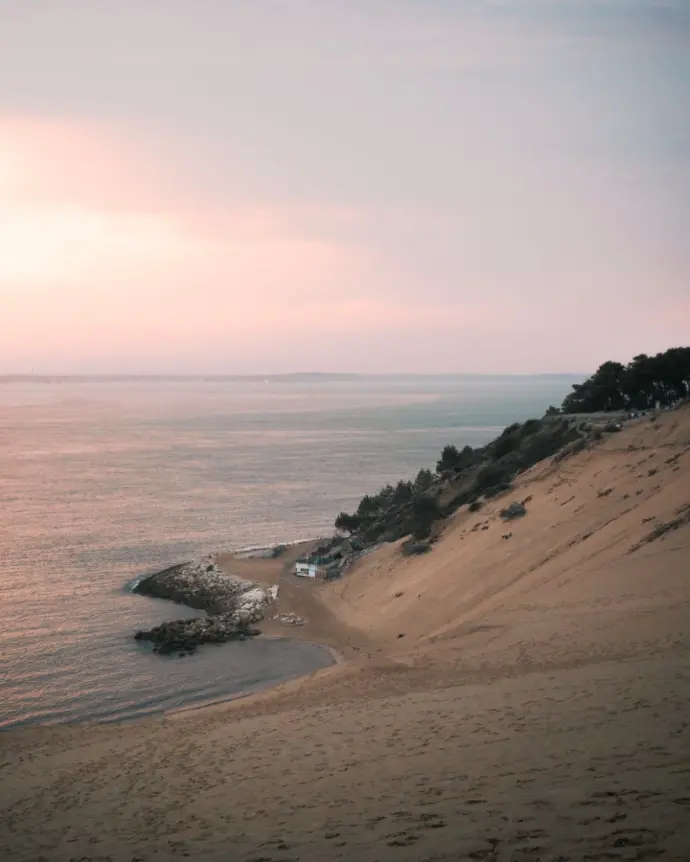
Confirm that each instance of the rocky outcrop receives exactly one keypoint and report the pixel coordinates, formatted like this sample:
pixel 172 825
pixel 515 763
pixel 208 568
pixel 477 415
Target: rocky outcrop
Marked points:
pixel 233 605
pixel 184 636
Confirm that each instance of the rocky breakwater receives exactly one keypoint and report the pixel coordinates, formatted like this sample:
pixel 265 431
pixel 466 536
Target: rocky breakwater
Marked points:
pixel 233 606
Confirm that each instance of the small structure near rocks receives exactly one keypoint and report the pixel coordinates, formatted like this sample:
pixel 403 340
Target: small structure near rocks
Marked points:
pixel 515 510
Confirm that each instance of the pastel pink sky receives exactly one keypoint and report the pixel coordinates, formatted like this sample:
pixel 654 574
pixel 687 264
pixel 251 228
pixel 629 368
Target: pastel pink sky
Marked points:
pixel 387 187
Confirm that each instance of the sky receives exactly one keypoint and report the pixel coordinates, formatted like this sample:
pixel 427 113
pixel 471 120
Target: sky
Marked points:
pixel 217 186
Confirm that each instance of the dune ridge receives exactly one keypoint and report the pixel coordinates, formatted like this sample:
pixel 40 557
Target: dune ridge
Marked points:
pixel 520 692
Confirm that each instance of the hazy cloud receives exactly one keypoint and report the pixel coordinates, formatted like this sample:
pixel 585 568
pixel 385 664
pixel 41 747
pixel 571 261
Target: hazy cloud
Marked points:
pixel 373 177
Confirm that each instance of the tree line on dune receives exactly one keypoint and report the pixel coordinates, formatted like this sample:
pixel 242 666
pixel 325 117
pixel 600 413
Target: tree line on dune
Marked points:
pixel 463 476
pixel 413 508
pixel 643 383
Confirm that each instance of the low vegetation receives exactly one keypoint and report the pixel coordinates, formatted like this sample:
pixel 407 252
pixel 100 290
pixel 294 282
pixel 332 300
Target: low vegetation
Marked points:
pixel 415 508
pixel 467 476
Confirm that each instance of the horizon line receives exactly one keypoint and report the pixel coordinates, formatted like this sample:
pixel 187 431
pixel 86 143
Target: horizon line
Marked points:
pixel 332 375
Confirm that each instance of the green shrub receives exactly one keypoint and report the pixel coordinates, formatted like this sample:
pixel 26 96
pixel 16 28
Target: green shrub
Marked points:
pixel 412 546
pixel 348 523
pixel 496 490
pixel 425 511
pixel 423 481
pixel 492 474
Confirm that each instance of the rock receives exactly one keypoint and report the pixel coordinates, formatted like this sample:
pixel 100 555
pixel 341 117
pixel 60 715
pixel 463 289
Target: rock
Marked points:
pixel 184 636
pixel 289 619
pixel 232 605
pixel 515 510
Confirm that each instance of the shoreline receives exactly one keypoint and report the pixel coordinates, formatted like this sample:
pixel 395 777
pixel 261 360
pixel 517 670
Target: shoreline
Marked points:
pixel 231 605
pixel 338 660
pixel 541 675
pixel 256 570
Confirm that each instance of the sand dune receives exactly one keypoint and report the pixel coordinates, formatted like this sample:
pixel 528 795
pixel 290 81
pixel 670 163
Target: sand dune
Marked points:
pixel 567 582
pixel 536 707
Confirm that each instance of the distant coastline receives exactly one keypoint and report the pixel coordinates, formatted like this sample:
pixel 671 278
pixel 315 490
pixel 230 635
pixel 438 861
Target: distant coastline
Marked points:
pixel 296 377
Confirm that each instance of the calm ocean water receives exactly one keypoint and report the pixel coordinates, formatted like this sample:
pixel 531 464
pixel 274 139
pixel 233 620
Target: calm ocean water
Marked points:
pixel 102 482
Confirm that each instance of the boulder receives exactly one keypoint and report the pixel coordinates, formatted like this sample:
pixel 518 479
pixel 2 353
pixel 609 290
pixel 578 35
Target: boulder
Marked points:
pixel 514 510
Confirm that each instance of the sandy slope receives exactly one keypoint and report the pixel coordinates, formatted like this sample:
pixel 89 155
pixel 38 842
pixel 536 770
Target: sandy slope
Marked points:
pixel 566 584
pixel 537 707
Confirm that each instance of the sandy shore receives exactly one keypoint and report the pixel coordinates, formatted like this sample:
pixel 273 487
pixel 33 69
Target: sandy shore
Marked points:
pixel 519 699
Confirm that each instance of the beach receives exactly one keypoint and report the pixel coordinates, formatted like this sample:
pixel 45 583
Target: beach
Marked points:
pixel 107 482
pixel 497 700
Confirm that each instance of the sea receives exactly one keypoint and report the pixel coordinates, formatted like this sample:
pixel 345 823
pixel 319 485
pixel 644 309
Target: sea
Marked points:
pixel 103 481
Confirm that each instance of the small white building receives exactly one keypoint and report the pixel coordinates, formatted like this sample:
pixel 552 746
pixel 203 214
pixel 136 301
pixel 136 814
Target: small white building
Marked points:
pixel 305 570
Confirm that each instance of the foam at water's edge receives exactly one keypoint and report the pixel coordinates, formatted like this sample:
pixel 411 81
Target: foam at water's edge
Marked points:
pixel 130 586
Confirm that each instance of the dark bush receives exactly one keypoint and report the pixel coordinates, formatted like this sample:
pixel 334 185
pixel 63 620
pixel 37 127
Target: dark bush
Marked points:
pixel 348 523
pixel 369 505
pixel 373 533
pixel 423 481
pixel 412 546
pixel 452 460
pixel 496 473
pixel 458 499
pixel 507 442
pixel 475 506
pixel 425 511
pixel 395 532
pixel 572 449
pixel 515 510
pixel 530 426
pixel 496 490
